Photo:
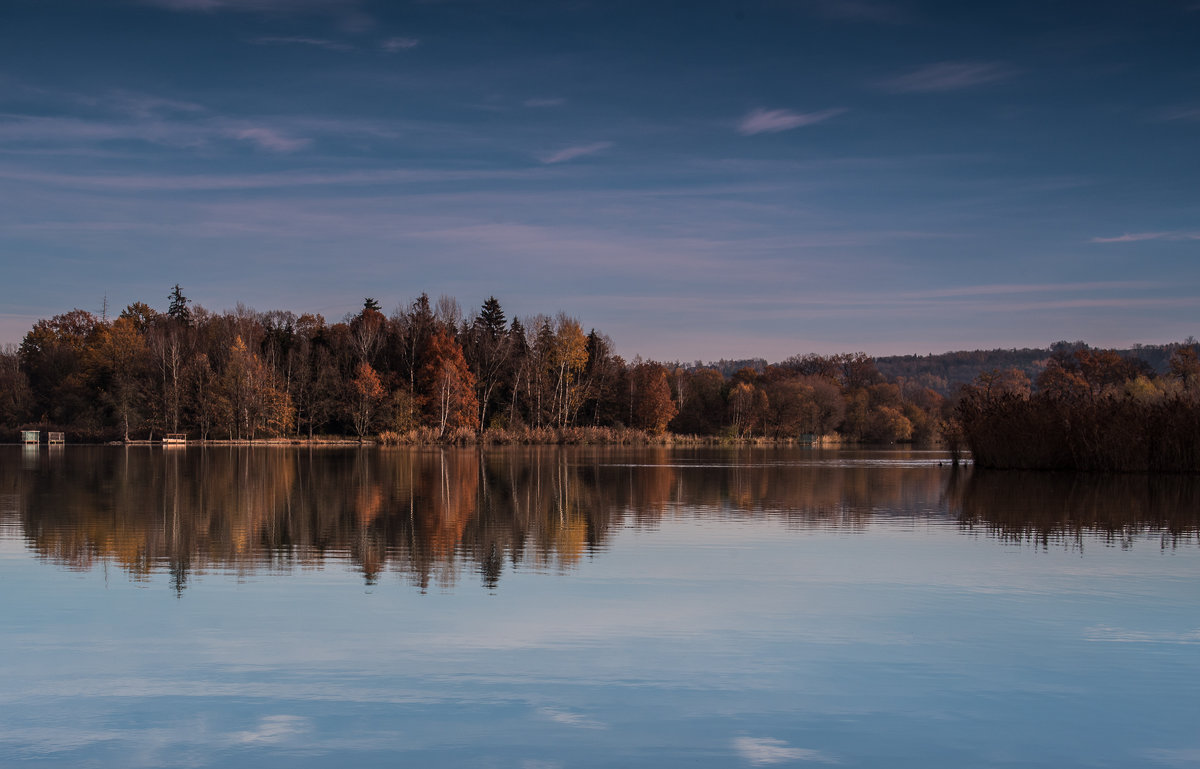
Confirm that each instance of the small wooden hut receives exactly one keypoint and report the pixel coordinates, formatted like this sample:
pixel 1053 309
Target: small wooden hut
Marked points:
pixel 31 436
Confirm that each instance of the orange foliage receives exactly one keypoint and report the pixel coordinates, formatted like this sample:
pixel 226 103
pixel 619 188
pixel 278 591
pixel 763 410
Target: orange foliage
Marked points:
pixel 447 385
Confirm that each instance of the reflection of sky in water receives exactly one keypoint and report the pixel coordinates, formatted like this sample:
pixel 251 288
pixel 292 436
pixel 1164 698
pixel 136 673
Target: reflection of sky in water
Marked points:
pixel 700 641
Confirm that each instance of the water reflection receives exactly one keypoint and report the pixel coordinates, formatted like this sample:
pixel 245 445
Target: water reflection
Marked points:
pixel 1067 508
pixel 433 515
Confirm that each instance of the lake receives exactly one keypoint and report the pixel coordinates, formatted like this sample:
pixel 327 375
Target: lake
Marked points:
pixel 591 607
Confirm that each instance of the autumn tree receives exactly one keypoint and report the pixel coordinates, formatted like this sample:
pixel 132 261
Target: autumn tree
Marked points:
pixel 704 408
pixel 366 397
pixel 208 404
pixel 857 370
pixel 1085 373
pixel 826 407
pixel 116 359
pixel 812 364
pixel 143 316
pixel 168 348
pixel 541 370
pixel 653 406
pixel 787 414
pixel 15 394
pixel 315 385
pixel 566 361
pixel 1185 368
pixel 51 356
pixel 368 330
pixel 887 424
pixel 995 383
pixel 256 404
pixel 747 405
pixel 413 329
pixel 447 385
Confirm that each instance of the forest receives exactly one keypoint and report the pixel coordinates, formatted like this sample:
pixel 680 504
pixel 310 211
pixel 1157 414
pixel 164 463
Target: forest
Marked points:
pixel 430 373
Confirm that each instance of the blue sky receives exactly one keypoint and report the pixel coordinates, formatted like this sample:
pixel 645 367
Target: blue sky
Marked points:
pixel 696 179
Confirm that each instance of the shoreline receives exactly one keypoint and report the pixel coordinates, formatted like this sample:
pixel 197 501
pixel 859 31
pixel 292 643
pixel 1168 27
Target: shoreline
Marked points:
pixel 485 441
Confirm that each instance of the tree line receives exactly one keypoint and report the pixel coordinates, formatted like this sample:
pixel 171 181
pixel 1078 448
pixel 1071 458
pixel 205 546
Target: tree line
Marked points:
pixel 426 372
pixel 429 372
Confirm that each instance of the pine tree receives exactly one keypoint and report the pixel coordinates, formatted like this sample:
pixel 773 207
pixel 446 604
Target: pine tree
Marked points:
pixel 179 306
pixel 491 317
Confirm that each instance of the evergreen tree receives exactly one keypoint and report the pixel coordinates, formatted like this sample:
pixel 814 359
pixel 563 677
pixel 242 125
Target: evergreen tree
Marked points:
pixel 179 307
pixel 491 317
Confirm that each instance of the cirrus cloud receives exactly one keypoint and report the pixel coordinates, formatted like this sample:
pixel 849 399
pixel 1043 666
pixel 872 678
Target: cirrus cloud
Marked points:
pixel 395 44
pixel 577 151
pixel 1135 237
pixel 329 45
pixel 761 751
pixel 775 120
pixel 948 76
pixel 269 139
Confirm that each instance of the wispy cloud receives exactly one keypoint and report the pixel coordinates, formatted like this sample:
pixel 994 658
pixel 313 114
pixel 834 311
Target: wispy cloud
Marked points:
pixel 544 102
pixel 397 44
pixel 142 105
pixel 1120 635
pixel 948 76
pixel 216 182
pixel 1000 289
pixel 269 139
pixel 775 120
pixel 577 151
pixel 195 130
pixel 761 751
pixel 1188 114
pixel 1174 756
pixel 567 718
pixel 1135 237
pixel 43 130
pixel 315 42
pixel 273 730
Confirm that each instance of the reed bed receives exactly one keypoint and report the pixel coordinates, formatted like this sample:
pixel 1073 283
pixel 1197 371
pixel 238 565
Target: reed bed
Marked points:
pixel 565 436
pixel 1106 434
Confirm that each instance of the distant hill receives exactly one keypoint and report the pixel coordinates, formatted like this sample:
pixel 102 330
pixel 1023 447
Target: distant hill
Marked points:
pixel 728 367
pixel 947 371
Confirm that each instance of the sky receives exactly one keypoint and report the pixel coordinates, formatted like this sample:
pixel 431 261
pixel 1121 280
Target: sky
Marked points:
pixel 698 180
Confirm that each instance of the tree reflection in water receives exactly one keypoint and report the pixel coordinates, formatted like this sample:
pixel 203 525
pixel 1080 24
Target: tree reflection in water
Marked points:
pixel 431 515
pixel 1048 508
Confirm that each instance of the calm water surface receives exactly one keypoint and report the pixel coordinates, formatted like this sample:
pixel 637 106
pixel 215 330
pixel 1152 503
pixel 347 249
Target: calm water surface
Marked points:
pixel 542 608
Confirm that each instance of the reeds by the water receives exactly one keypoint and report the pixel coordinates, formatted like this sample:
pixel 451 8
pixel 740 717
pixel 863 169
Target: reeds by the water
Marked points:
pixel 563 436
pixel 1111 433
